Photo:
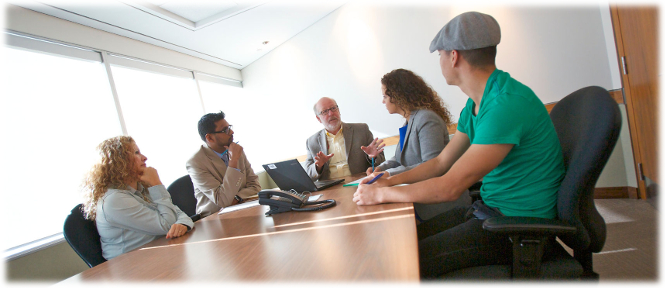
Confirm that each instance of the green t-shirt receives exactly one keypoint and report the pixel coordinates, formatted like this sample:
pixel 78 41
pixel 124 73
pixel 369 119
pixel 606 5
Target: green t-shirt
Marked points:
pixel 526 182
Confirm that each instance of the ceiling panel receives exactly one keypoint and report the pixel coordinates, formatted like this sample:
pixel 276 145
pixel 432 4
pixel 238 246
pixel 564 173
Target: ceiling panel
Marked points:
pixel 225 32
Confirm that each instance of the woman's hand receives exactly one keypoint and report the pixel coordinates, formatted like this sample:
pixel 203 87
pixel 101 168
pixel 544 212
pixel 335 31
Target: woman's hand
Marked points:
pixel 369 171
pixel 176 230
pixel 373 149
pixel 150 176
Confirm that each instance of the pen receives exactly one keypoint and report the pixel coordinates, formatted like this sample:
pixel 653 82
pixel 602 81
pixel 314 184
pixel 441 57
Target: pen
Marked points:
pixel 372 164
pixel 375 178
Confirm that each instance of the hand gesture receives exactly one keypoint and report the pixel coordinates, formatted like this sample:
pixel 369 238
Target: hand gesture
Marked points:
pixel 373 149
pixel 321 159
pixel 176 230
pixel 150 176
pixel 376 169
pixel 234 151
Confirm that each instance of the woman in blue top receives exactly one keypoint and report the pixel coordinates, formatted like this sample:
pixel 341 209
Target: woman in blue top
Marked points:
pixel 425 131
pixel 127 200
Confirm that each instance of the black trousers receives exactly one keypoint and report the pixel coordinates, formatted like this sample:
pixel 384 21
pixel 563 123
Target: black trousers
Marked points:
pixel 451 241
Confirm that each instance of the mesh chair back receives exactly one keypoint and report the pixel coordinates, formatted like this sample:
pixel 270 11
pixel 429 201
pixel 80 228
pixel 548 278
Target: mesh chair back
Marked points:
pixel 82 236
pixel 182 195
pixel 588 123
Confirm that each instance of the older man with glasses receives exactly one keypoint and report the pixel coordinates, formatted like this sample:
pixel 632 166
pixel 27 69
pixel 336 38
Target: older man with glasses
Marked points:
pixel 221 174
pixel 340 149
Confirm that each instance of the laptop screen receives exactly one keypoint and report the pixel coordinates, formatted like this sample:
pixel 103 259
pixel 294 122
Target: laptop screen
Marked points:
pixel 290 175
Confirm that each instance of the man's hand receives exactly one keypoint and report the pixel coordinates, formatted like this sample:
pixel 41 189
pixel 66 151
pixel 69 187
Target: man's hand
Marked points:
pixel 369 170
pixel 368 194
pixel 176 230
pixel 321 159
pixel 381 182
pixel 150 176
pixel 234 151
pixel 373 149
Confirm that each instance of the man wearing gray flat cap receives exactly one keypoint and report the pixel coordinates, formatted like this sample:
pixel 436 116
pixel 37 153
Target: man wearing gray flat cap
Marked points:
pixel 504 137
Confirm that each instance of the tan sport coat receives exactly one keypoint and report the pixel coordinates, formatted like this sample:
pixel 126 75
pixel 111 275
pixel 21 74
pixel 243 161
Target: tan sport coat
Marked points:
pixel 215 184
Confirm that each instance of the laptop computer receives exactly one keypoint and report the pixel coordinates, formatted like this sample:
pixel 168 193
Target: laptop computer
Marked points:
pixel 291 175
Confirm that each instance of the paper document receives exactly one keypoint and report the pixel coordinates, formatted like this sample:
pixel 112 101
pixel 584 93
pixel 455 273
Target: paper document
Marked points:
pixel 240 206
pixel 314 198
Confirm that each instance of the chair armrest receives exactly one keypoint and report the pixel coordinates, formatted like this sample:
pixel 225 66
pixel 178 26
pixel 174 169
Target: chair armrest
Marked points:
pixel 527 225
pixel 195 217
pixel 476 186
pixel 474 191
pixel 529 236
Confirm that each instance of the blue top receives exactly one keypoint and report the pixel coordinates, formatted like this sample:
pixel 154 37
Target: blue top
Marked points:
pixel 402 135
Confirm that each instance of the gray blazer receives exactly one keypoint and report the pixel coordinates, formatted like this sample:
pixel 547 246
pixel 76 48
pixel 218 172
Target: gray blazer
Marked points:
pixel 355 135
pixel 215 184
pixel 426 135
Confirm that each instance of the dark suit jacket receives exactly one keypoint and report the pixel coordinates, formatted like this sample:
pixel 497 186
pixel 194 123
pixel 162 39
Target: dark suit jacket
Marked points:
pixel 355 135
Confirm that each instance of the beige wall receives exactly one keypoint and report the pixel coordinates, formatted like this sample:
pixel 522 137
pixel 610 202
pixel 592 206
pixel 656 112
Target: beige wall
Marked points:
pixel 49 265
pixel 620 170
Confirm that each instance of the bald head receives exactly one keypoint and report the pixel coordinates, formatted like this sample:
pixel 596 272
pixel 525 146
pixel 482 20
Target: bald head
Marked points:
pixel 322 101
pixel 331 117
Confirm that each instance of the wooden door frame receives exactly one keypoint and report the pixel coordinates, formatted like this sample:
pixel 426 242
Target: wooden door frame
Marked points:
pixel 625 83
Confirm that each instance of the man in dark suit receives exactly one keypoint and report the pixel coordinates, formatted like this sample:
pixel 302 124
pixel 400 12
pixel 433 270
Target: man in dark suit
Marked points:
pixel 340 149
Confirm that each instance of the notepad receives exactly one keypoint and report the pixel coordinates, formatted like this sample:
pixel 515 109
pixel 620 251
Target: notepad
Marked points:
pixel 240 206
pixel 354 183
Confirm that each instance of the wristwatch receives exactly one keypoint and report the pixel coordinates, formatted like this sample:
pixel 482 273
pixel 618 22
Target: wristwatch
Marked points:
pixel 240 200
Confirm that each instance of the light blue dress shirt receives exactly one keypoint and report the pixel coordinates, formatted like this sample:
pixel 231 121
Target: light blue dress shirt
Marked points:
pixel 125 221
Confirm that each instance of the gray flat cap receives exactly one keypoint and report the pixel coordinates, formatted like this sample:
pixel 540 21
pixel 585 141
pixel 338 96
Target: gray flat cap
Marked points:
pixel 470 30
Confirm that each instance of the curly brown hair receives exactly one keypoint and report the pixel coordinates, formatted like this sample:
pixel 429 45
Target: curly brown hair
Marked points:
pixel 113 170
pixel 410 92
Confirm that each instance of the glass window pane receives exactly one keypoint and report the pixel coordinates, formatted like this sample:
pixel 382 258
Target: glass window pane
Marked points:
pixel 257 120
pixel 161 113
pixel 243 115
pixel 54 112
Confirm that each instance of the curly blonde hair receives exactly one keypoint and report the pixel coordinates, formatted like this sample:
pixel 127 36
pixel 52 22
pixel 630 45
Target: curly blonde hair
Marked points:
pixel 410 92
pixel 113 170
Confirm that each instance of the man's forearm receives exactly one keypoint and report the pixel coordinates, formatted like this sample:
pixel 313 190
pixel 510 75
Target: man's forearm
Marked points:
pixel 433 190
pixel 427 170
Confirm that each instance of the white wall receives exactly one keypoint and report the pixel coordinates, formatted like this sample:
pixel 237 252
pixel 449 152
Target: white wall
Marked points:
pixel 553 50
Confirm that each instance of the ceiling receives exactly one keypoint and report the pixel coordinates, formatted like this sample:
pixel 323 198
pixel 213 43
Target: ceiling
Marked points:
pixel 234 33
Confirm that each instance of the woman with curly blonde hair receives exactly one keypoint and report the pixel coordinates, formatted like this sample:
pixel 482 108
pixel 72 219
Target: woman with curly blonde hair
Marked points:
pixel 128 201
pixel 425 132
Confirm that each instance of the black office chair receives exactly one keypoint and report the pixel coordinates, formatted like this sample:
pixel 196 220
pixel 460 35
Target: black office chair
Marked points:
pixel 82 236
pixel 182 195
pixel 588 123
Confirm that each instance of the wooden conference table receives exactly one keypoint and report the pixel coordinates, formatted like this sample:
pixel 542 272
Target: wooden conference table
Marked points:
pixel 343 243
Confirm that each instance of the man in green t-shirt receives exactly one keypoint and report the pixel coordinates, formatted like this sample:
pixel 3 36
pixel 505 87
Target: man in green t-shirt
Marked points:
pixel 504 136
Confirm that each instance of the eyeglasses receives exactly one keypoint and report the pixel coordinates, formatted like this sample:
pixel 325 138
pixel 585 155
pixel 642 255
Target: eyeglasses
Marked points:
pixel 226 130
pixel 331 109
